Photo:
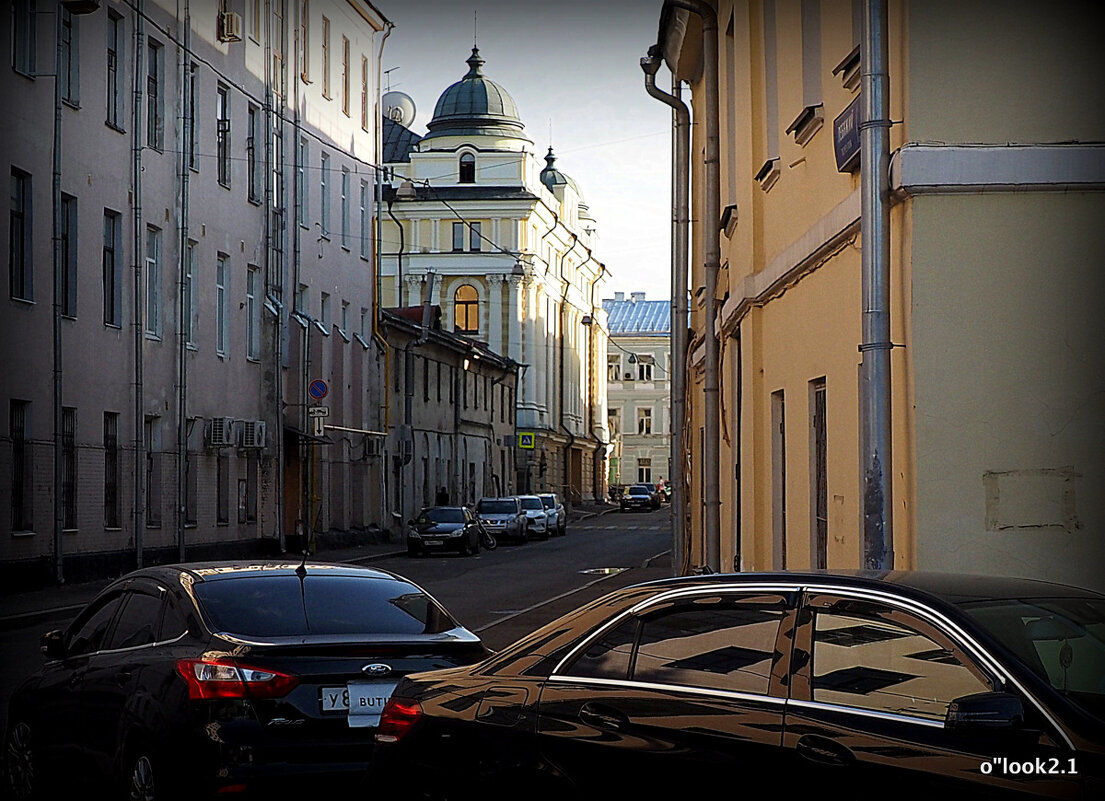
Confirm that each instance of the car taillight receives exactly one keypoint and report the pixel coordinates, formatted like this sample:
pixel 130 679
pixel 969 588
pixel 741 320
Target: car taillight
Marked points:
pixel 225 678
pixel 398 717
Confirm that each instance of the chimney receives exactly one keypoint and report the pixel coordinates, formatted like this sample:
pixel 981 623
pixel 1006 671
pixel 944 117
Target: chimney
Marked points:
pixel 619 296
pixel 636 296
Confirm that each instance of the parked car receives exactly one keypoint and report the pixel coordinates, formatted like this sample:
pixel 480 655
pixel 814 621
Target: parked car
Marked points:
pixel 654 493
pixel 558 516
pixel 636 497
pixel 864 685
pixel 446 528
pixel 221 677
pixel 537 516
pixel 503 517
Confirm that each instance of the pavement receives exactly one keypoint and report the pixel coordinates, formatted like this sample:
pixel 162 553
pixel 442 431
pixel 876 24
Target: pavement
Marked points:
pixel 62 602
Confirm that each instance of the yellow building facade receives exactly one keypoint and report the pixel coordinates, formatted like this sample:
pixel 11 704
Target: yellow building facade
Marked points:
pixel 997 388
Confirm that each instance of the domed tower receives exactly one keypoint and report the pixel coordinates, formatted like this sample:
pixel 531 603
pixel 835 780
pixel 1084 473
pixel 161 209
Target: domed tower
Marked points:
pixel 474 106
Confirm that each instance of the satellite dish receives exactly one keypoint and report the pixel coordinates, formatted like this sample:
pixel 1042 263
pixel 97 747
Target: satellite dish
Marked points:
pixel 398 107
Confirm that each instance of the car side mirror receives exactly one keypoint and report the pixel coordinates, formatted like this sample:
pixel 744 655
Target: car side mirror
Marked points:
pixel 52 644
pixel 985 712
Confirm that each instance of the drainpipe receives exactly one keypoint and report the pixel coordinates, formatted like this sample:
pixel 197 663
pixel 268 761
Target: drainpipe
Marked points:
pixel 59 272
pixel 598 477
pixel 377 337
pixel 712 261
pixel 563 338
pixel 137 312
pixel 878 536
pixel 182 306
pixel 681 120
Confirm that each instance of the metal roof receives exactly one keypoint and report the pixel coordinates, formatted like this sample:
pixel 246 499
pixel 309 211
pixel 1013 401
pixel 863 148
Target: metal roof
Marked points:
pixel 638 317
pixel 476 105
pixel 399 141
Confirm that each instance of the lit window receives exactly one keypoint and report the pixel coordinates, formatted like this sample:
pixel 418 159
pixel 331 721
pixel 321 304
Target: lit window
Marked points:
pixel 466 310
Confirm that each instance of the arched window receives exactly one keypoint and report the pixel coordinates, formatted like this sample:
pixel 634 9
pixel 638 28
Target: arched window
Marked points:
pixel 466 310
pixel 467 169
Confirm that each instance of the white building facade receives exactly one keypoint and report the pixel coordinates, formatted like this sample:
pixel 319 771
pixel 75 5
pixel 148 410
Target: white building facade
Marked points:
pixel 511 242
pixel 638 379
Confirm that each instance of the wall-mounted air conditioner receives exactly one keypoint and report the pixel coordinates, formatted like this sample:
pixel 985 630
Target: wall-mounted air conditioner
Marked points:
pixel 629 376
pixel 251 434
pixel 220 432
pixel 230 26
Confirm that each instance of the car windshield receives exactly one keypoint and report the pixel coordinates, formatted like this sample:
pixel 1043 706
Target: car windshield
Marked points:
pixel 319 605
pixel 1062 640
pixel 498 507
pixel 548 501
pixel 441 515
pixel 638 491
pixel 532 503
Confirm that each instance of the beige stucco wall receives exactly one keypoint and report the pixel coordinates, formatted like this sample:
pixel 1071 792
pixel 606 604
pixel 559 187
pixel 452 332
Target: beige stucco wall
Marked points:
pixel 1008 336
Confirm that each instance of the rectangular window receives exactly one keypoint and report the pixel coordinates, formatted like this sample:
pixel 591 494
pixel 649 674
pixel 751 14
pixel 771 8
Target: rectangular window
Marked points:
pixel 111 470
pixel 819 483
pixel 222 304
pixel 366 221
pixel 155 101
pixel 324 196
pixel 458 236
pixel 364 94
pixel 305 41
pixel 475 240
pixel 20 274
pixel 302 207
pixel 324 310
pixel 153 472
pixel 253 314
pixel 19 430
pixel 644 471
pixel 253 163
pixel 326 58
pixel 222 489
pixel 255 19
pixel 190 307
pixel 344 207
pixel 69 73
pixel 112 268
pixel 345 76
pixel 644 421
pixel 425 379
pixel 222 130
pixel 23 36
pixel 68 246
pixel 192 121
pixel 153 282
pixel 116 41
pixel 613 368
pixel 644 368
pixel 68 468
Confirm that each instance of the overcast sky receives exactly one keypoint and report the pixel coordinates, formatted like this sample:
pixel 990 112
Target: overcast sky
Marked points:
pixel 573 64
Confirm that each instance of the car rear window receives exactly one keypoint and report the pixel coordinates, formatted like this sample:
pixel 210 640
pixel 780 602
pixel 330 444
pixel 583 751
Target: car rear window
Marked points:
pixel 638 491
pixel 285 606
pixel 532 503
pixel 442 515
pixel 498 507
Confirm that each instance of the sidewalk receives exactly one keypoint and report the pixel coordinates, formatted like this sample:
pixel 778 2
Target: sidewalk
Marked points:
pixel 63 602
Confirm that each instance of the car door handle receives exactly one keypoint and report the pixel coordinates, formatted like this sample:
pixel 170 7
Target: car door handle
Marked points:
pixel 824 751
pixel 602 716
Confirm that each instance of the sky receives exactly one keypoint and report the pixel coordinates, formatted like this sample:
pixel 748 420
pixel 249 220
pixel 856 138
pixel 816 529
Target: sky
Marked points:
pixel 572 67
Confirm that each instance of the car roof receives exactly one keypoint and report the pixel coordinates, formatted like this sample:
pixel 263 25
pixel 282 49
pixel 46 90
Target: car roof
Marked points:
pixel 954 588
pixel 247 568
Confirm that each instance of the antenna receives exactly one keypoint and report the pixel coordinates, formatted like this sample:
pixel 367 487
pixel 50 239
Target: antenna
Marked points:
pixel 387 77
pixel 475 26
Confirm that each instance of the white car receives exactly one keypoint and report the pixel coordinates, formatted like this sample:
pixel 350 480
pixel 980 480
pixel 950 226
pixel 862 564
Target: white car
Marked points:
pixel 558 517
pixel 537 517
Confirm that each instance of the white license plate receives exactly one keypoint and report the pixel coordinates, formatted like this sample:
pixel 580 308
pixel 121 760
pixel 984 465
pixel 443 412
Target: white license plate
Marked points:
pixel 363 701
pixel 428 543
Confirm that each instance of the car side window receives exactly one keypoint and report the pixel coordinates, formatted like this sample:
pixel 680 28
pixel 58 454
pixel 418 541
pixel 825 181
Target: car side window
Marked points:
pixel 88 635
pixel 139 622
pixel 711 644
pixel 870 662
pixel 608 656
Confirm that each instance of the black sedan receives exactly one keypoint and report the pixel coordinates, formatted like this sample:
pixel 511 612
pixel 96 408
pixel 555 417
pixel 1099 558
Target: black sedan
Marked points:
pixel 450 528
pixel 638 496
pixel 901 685
pixel 192 680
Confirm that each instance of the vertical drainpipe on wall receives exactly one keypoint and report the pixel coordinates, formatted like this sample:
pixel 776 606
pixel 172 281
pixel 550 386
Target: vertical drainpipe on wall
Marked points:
pixel 58 270
pixel 182 305
pixel 597 479
pixel 878 536
pixel 136 182
pixel 563 338
pixel 711 467
pixel 681 128
pixel 377 337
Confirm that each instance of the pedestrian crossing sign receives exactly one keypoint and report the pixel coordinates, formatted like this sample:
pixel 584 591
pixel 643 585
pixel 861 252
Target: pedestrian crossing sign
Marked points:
pixel 527 439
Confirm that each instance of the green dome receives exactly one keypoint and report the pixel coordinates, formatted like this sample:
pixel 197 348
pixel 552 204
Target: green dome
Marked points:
pixel 476 106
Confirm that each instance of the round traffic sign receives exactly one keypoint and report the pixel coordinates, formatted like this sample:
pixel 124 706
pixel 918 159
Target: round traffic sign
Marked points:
pixel 318 389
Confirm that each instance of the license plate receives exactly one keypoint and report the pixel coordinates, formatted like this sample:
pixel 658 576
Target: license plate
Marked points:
pixel 362 701
pixel 431 542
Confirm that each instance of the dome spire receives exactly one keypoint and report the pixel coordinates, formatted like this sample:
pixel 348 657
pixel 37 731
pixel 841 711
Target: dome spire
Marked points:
pixel 475 64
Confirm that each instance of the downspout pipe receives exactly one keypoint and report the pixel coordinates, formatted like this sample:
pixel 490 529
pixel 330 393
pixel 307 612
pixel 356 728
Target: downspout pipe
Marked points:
pixel 878 536
pixel 139 512
pixel 563 339
pixel 59 288
pixel 681 121
pixel 712 260
pixel 183 306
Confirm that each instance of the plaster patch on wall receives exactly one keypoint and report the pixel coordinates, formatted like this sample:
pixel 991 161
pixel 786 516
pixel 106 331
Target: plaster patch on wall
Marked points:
pixel 1031 499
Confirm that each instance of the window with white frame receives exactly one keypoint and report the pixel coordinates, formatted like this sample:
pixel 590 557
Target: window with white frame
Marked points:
pixel 253 313
pixel 644 421
pixel 644 471
pixel 613 368
pixel 222 304
pixel 644 368
pixel 153 282
pixel 324 196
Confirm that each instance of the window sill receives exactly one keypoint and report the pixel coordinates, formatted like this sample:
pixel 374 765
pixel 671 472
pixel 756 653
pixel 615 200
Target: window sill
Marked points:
pixel 113 528
pixel 73 104
pixel 253 359
pixel 768 174
pixel 23 534
pixel 153 337
pixel 114 127
pixel 192 346
pixel 224 186
pixel 256 201
pixel 70 530
pixel 30 76
pixel 24 301
pixel 116 326
pixel 808 123
pixel 848 69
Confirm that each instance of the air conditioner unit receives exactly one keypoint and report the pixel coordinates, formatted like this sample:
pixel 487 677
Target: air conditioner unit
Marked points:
pixel 629 376
pixel 230 26
pixel 251 434
pixel 220 432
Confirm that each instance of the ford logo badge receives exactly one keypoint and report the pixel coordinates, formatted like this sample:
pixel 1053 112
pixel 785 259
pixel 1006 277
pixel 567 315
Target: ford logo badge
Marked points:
pixel 376 669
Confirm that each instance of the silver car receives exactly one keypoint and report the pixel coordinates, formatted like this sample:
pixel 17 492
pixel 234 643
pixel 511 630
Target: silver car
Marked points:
pixel 536 515
pixel 503 517
pixel 558 517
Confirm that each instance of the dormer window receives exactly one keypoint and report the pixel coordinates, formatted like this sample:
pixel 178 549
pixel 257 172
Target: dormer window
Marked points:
pixel 467 169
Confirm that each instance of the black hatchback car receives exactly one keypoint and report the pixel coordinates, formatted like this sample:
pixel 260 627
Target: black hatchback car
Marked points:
pixel 901 685
pixel 450 528
pixel 188 680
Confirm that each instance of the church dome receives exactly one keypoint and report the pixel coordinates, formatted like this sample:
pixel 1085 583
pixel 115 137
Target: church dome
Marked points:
pixel 551 177
pixel 476 106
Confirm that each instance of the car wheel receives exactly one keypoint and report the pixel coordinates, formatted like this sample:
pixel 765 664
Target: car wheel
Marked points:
pixel 19 763
pixel 139 779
